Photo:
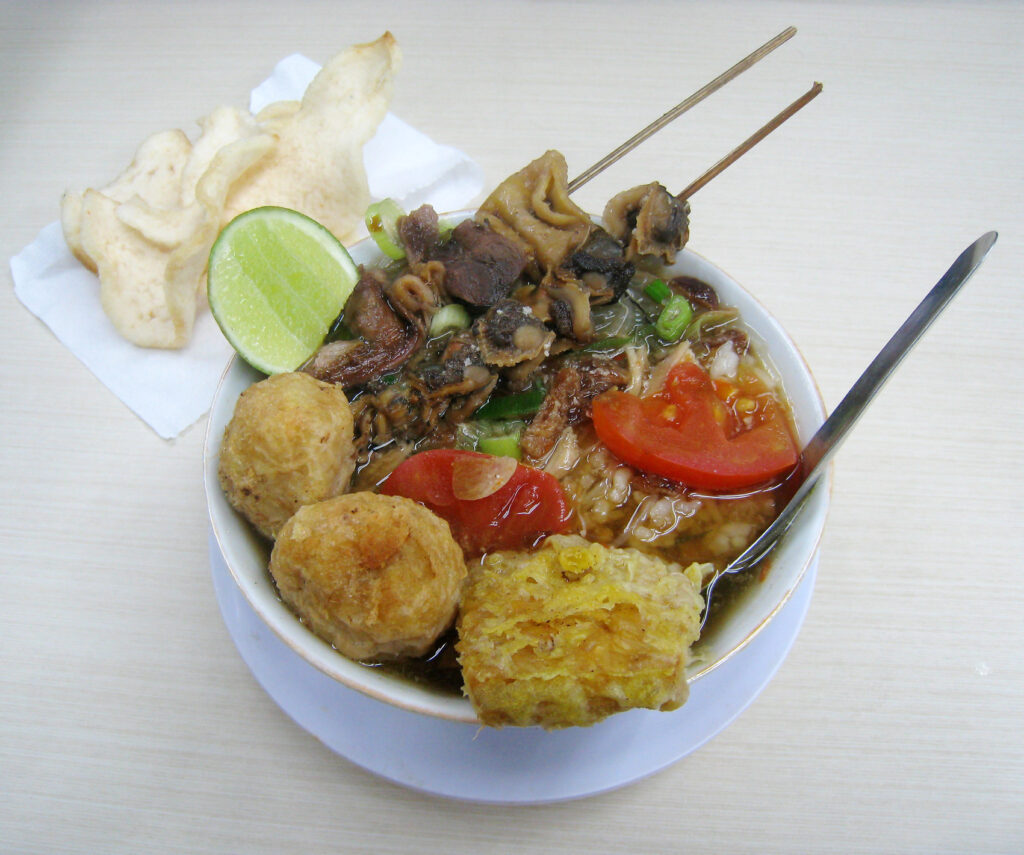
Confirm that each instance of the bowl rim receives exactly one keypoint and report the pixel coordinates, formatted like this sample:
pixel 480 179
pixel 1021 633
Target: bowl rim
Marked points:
pixel 417 698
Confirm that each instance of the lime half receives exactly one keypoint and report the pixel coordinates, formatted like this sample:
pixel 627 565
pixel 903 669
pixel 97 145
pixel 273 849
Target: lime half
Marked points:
pixel 277 281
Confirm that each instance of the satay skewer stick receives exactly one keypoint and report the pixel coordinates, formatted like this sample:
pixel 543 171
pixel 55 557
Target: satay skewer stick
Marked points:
pixel 682 107
pixel 750 142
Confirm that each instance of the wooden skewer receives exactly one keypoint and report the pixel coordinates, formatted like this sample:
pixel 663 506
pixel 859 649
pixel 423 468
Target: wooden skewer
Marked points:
pixel 682 107
pixel 750 142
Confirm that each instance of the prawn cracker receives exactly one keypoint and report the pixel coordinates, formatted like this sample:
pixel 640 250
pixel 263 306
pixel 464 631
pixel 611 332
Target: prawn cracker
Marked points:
pixel 148 234
pixel 317 165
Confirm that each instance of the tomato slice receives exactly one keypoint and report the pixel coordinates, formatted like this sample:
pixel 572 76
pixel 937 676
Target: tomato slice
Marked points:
pixel 527 507
pixel 683 434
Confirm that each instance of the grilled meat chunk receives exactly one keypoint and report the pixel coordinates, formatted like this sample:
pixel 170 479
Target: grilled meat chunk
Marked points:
pixel 480 264
pixel 419 234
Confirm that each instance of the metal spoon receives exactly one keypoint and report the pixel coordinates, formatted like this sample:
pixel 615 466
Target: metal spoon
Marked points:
pixel 831 434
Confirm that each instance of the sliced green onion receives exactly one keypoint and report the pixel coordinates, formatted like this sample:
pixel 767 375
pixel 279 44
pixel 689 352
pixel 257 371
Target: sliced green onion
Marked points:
pixel 471 435
pixel 674 318
pixel 658 291
pixel 506 445
pixel 513 406
pixel 450 317
pixel 445 228
pixel 382 222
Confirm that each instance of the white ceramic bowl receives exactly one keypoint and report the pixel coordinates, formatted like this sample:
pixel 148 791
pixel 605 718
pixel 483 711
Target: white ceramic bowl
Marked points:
pixel 247 554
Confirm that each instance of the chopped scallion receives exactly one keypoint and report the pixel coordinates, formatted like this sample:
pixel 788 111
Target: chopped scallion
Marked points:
pixel 506 445
pixel 674 318
pixel 382 222
pixel 475 435
pixel 450 317
pixel 658 291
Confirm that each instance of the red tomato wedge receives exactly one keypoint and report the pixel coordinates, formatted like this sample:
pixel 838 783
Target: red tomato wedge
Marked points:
pixel 525 505
pixel 681 434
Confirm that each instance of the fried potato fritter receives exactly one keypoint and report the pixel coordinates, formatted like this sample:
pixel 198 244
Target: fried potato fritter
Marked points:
pixel 288 444
pixel 574 632
pixel 379 577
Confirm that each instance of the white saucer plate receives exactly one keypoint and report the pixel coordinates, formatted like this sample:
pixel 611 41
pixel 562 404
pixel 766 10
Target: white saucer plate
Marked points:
pixel 513 765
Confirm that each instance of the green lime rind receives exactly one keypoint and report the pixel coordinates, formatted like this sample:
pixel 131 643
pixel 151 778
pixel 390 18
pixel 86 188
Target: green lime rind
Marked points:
pixel 276 282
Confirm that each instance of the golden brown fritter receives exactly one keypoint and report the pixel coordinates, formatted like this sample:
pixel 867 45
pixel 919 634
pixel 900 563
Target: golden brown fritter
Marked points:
pixel 288 444
pixel 575 632
pixel 379 577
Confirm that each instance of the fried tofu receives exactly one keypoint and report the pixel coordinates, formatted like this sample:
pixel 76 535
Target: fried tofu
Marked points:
pixel 574 632
pixel 379 577
pixel 289 443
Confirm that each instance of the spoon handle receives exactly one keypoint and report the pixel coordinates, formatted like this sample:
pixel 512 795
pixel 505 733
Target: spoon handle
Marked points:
pixel 830 435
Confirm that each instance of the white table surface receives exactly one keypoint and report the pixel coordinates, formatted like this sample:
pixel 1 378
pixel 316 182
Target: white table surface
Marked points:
pixel 128 721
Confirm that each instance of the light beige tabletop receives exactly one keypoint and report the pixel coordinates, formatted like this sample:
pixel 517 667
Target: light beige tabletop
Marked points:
pixel 128 721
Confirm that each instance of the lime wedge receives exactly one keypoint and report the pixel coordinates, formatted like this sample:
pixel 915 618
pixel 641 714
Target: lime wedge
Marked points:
pixel 277 281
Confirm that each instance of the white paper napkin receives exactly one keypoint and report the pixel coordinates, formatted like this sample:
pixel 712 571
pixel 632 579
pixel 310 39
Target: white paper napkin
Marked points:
pixel 171 389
